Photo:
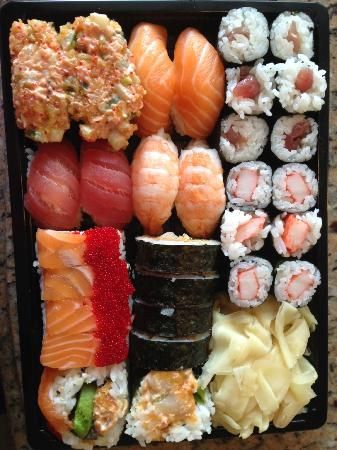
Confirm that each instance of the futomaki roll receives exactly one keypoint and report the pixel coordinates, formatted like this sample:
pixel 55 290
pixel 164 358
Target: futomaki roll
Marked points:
pixel 243 35
pixel 249 185
pixel 295 188
pixel 296 282
pixel 243 232
pixel 294 138
pixel 300 85
pixel 291 34
pixel 250 90
pixel 250 280
pixel 295 234
pixel 242 139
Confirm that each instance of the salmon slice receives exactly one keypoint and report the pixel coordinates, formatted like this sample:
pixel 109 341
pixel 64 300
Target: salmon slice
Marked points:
pixel 304 79
pixel 71 351
pixel 248 285
pixel 299 284
pixel 235 138
pixel 57 421
pixel 200 85
pixel 70 317
pixel 297 187
pixel 295 233
pixel 157 75
pixel 73 283
pixel 247 181
pixel 248 87
pixel 294 37
pixel 300 130
pixel 60 249
pixel 249 229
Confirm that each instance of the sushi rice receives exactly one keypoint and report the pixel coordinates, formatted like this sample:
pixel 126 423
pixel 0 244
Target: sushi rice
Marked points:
pixel 286 23
pixel 307 146
pixel 263 103
pixel 254 134
pixel 291 98
pixel 243 35
pixel 286 271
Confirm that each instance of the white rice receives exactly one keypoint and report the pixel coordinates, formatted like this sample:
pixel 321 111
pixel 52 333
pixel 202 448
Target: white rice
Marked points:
pixel 253 129
pixel 293 100
pixel 63 395
pixel 263 271
pixel 231 221
pixel 262 194
pixel 279 44
pixel 281 197
pixel 243 35
pixel 285 272
pixel 307 147
pixel 264 101
pixel 277 229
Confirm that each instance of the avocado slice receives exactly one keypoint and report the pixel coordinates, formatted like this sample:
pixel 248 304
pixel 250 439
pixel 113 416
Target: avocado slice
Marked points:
pixel 82 422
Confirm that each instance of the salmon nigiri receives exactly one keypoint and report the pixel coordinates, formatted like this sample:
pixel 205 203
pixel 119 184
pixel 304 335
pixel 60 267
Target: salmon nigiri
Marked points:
pixel 200 84
pixel 156 73
pixel 154 173
pixel 201 197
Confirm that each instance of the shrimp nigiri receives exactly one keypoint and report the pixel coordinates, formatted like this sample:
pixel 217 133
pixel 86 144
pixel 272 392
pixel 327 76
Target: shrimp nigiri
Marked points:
pixel 200 84
pixel 201 197
pixel 156 72
pixel 154 173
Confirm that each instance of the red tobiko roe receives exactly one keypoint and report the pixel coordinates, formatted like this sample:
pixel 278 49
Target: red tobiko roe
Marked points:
pixel 111 291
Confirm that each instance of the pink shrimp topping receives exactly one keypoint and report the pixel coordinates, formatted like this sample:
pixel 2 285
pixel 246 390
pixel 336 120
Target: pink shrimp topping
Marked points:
pixel 249 229
pixel 299 284
pixel 248 285
pixel 295 233
pixel 247 181
pixel 297 187
pixel 294 37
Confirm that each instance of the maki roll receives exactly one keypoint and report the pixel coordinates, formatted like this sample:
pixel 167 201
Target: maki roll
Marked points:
pixel 294 138
pixel 250 90
pixel 242 139
pixel 295 188
pixel 291 34
pixel 173 254
pixel 295 234
pixel 85 407
pixel 250 280
pixel 249 185
pixel 296 282
pixel 243 232
pixel 169 406
pixel 300 85
pixel 243 35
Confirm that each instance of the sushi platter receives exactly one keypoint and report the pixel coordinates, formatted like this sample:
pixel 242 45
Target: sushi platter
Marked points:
pixel 168 179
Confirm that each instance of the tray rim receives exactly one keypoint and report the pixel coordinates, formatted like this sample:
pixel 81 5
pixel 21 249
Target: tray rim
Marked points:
pixel 21 220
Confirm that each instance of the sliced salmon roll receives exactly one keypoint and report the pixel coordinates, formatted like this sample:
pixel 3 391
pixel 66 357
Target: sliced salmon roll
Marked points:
pixel 250 280
pixel 295 234
pixel 200 84
pixel 73 283
pixel 156 72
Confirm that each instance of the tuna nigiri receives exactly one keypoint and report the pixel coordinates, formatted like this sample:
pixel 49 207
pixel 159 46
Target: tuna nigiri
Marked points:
pixel 156 72
pixel 201 197
pixel 53 188
pixel 105 185
pixel 200 84
pixel 154 172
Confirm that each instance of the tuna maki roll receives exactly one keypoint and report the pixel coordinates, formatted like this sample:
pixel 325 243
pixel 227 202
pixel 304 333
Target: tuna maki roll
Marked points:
pixel 242 139
pixel 294 138
pixel 291 34
pixel 296 282
pixel 300 85
pixel 295 234
pixel 250 280
pixel 249 185
pixel 171 407
pixel 243 232
pixel 295 188
pixel 243 35
pixel 250 90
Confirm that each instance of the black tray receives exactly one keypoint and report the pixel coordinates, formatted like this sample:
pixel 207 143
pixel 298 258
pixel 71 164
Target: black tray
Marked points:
pixel 176 15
